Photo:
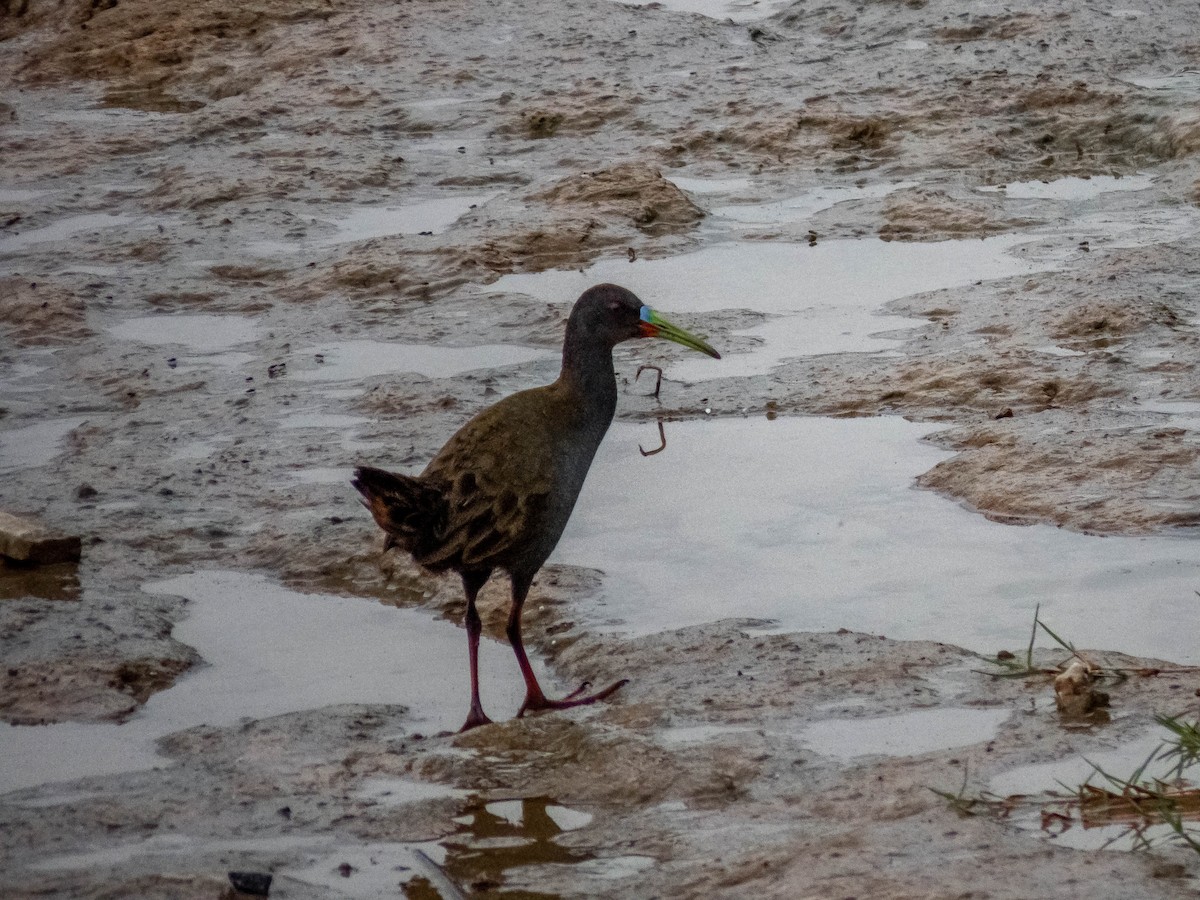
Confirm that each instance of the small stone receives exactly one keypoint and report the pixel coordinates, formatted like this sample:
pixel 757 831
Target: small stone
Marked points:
pixel 28 542
pixel 1075 689
pixel 256 884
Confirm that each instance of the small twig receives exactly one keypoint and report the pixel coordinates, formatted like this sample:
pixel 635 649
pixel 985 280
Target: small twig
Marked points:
pixel 1032 638
pixel 662 436
pixel 657 382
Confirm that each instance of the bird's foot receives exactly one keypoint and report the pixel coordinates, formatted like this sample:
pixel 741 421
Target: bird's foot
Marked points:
pixel 475 718
pixel 539 702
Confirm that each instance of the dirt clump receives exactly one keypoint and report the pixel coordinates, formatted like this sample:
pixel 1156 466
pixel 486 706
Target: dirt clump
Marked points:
pixel 82 688
pixel 575 116
pixel 921 214
pixel 1124 481
pixel 994 28
pixel 38 313
pixel 146 49
pixel 632 191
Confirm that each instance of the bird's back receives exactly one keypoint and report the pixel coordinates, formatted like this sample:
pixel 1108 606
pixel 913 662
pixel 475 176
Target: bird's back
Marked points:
pixel 510 478
pixel 500 492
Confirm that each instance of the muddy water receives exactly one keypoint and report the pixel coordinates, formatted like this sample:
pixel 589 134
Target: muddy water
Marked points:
pixel 821 299
pixel 1063 778
pixel 892 560
pixel 299 651
pixel 353 361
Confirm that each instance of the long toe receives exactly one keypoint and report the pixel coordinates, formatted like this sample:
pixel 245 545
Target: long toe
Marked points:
pixel 539 704
pixel 474 719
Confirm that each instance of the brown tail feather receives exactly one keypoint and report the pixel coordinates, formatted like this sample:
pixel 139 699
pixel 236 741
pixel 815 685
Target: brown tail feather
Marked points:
pixel 412 512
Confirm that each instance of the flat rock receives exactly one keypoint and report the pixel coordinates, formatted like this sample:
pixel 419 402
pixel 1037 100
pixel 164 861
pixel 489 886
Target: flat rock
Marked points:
pixel 25 541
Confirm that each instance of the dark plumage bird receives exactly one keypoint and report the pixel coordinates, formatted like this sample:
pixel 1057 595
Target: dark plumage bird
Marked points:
pixel 499 494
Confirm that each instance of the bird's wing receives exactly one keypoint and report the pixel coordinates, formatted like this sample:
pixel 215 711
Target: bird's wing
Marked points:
pixel 498 476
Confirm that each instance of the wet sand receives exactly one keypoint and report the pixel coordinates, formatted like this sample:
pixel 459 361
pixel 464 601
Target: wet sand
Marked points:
pixel 949 259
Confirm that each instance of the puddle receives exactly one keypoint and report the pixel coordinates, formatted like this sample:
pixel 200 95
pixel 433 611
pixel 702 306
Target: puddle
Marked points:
pixel 390 791
pixel 1183 413
pixel 61 230
pixel 1055 350
pixel 499 848
pixel 34 445
pixel 1071 188
pixel 849 543
pixel 54 582
pixel 27 370
pixel 20 195
pixel 710 185
pixel 369 222
pixel 1066 774
pixel 806 205
pixel 906 734
pixel 200 449
pixel 434 216
pixel 358 360
pixel 300 651
pixel 739 11
pixel 1186 82
pixel 826 298
pixel 505 847
pixel 1073 827
pixel 201 333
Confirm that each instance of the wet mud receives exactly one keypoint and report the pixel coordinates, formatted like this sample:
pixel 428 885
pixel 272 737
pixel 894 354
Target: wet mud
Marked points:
pixel 243 249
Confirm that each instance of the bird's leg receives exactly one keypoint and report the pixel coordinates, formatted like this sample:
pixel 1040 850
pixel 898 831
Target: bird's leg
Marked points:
pixel 471 585
pixel 535 700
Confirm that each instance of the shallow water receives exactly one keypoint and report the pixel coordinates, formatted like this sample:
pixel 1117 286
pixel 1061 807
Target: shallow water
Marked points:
pixel 1072 188
pixel 906 734
pixel 814 523
pixel 505 844
pixel 824 299
pixel 68 227
pixel 804 206
pixel 34 445
pixel 709 185
pixel 357 360
pixel 1063 777
pixel 200 333
pixel 424 216
pixel 1178 413
pixel 300 651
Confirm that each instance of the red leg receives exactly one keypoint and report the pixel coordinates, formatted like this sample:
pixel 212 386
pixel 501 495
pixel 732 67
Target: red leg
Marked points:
pixel 471 584
pixel 535 700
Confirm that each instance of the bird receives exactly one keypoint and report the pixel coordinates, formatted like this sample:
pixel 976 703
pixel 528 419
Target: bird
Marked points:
pixel 499 493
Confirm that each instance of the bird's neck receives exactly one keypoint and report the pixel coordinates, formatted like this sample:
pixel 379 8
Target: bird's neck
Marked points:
pixel 587 374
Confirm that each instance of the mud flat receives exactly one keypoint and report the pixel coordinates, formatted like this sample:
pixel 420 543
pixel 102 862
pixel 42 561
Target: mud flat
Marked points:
pixel 950 258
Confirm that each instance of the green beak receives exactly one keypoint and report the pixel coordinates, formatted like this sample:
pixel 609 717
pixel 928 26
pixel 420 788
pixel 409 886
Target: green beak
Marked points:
pixel 654 325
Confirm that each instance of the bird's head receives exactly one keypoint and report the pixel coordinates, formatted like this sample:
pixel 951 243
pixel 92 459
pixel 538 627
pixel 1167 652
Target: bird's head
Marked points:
pixel 613 314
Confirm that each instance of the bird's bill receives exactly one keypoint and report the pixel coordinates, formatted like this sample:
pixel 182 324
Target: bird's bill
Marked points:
pixel 654 325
